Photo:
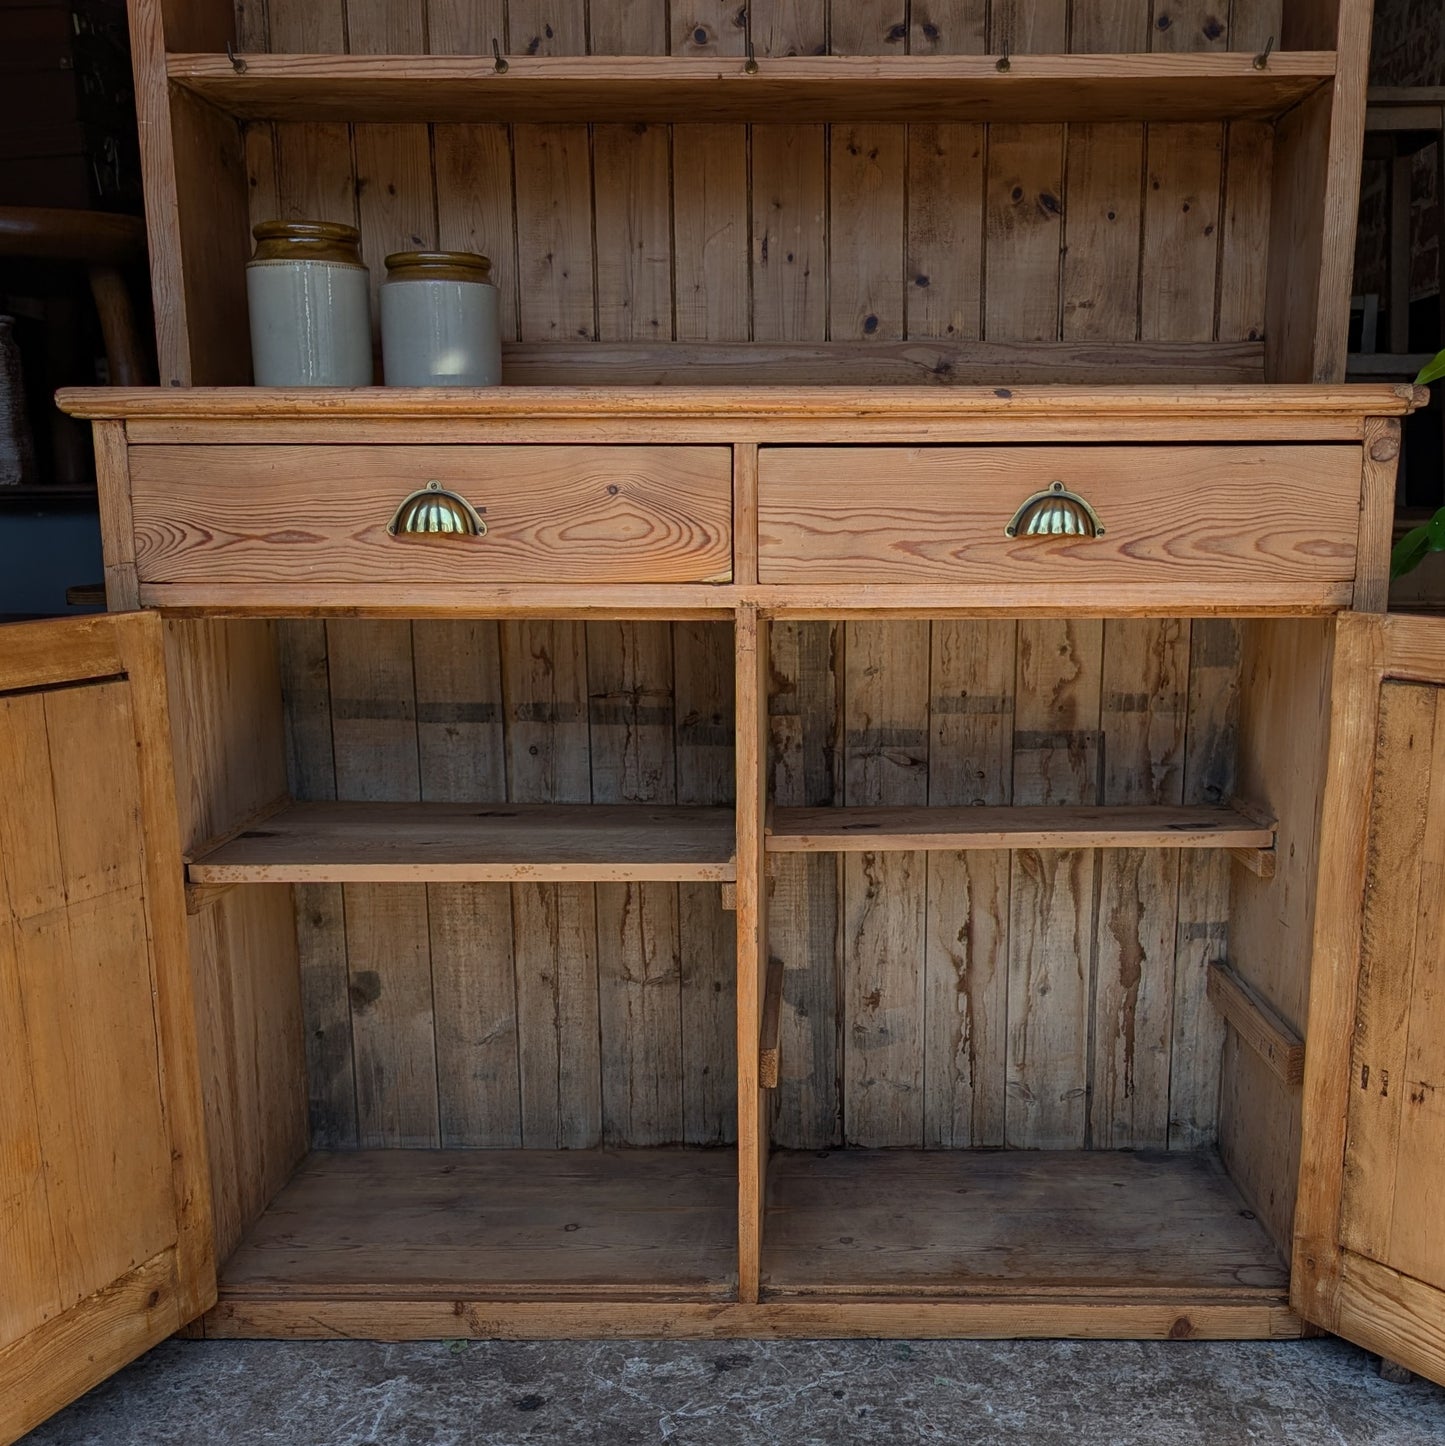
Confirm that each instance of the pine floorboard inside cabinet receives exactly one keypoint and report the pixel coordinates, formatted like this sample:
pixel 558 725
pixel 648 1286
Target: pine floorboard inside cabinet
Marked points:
pixel 497 1225
pixel 1140 1224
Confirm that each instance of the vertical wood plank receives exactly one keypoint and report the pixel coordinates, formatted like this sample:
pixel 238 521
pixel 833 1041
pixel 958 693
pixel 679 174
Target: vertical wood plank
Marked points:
pixel 457 667
pixel 1109 27
pixel 378 27
pixel 320 915
pixel 307 27
pixel 546 27
pixel 790 27
pixel 1203 928
pixel 475 206
pixel 966 960
pixel 866 226
pixel 805 666
pixel 315 178
pixel 465 27
pixel 1028 27
pixel 944 247
pixel 32 1291
pixel 1056 760
pixel 478 1085
pixel 628 27
pixel 708 27
pixel 554 926
pixel 789 245
pixel 1244 258
pixel 948 27
pixel 750 652
pixel 554 233
pixel 1252 22
pixel 706 774
pixel 396 204
pixel 633 226
pixel 630 703
pixel 1181 232
pixel 1191 25
pixel 1416 1247
pixel 1145 697
pixel 867 27
pixel 710 232
pixel 1025 183
pixel 373 710
pixel 1101 257
pixel 1399 812
pixel 885 898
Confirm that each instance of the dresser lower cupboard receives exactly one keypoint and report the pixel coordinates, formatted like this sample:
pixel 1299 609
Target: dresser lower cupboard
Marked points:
pixel 725 863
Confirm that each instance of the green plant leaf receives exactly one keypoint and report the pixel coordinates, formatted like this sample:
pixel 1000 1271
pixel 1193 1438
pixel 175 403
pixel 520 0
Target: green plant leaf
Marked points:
pixel 1409 552
pixel 1436 528
pixel 1431 371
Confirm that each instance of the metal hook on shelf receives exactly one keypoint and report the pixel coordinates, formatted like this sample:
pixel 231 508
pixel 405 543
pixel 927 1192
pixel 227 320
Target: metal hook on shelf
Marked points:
pixel 1003 63
pixel 750 65
pixel 499 61
pixel 1261 61
pixel 237 63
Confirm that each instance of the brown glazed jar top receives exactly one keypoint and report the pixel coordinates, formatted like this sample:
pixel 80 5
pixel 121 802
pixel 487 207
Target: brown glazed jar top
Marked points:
pixel 438 266
pixel 307 241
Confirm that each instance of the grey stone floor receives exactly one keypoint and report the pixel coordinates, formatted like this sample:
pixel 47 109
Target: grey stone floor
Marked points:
pixel 808 1393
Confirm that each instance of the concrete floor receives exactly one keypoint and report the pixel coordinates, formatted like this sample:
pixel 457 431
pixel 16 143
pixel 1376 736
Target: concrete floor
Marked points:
pixel 809 1393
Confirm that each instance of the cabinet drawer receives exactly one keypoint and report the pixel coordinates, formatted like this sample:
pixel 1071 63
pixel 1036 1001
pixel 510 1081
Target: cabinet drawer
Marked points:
pixel 1176 515
pixel 288 515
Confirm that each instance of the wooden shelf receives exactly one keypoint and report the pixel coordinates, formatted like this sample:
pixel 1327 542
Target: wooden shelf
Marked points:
pixel 1014 1222
pixel 1035 88
pixel 497 1225
pixel 875 830
pixel 474 843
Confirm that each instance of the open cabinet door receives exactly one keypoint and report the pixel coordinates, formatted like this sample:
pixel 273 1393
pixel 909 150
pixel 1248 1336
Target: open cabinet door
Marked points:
pixel 1370 1235
pixel 105 1239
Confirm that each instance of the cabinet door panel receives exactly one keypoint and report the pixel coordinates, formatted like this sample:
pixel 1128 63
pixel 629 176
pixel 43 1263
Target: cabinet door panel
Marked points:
pixel 1370 1243
pixel 104 1205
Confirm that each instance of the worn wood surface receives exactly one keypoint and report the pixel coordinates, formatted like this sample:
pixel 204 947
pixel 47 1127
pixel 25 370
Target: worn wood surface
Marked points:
pixel 471 843
pixel 863 1222
pixel 104 1196
pixel 560 1223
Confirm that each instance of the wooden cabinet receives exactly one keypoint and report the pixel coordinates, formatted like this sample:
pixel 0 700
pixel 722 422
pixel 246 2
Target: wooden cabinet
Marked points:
pixel 747 891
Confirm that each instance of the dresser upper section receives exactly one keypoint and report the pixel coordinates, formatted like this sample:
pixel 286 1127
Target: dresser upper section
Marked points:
pixel 687 502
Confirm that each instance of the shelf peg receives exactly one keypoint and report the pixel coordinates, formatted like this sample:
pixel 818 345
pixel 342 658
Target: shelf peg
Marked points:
pixel 1261 61
pixel 237 63
pixel 499 61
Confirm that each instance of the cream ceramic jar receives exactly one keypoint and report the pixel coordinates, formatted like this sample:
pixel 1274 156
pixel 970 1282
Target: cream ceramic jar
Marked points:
pixel 310 302
pixel 439 321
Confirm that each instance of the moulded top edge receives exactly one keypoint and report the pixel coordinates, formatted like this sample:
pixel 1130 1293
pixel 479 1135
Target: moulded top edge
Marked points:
pixel 736 403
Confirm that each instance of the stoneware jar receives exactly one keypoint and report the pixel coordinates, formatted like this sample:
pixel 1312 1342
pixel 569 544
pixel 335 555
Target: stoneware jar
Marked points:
pixel 310 303
pixel 439 321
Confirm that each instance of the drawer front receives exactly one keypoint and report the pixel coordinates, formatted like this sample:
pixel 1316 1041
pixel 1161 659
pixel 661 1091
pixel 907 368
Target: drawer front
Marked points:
pixel 288 515
pixel 927 515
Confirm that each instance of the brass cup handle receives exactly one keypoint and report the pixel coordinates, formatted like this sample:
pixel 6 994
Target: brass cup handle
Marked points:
pixel 435 511
pixel 1055 512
